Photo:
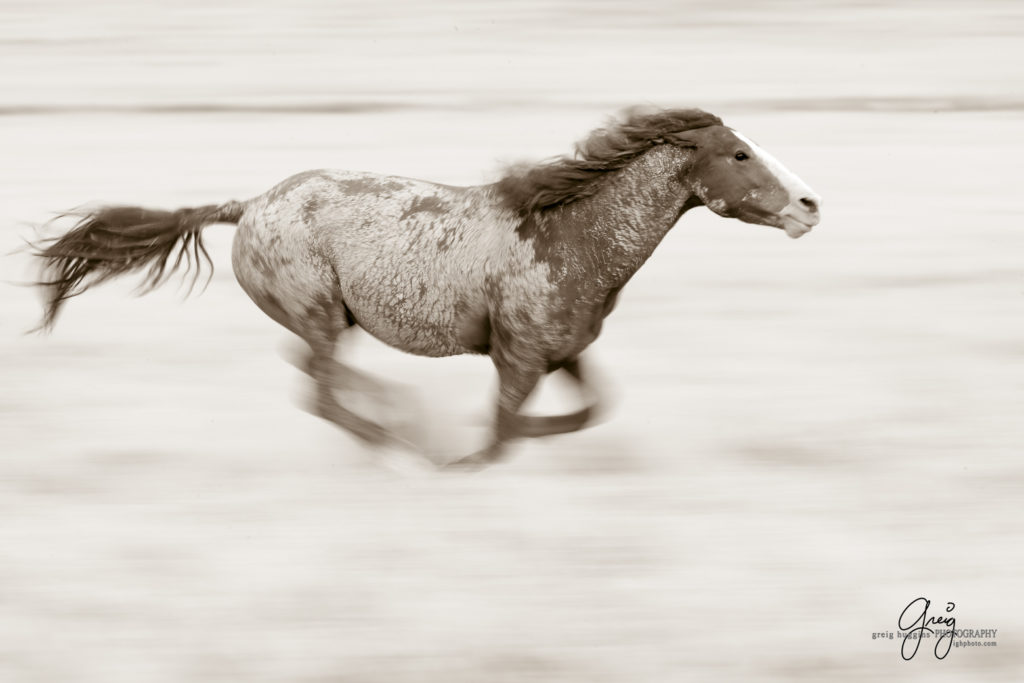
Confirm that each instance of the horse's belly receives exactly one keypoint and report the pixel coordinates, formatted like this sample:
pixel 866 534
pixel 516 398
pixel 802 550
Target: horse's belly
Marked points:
pixel 419 301
pixel 417 319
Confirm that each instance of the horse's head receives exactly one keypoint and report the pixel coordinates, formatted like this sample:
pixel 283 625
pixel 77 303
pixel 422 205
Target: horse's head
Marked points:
pixel 735 178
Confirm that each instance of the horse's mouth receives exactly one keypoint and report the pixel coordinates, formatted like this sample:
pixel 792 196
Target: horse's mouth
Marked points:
pixel 798 226
pixel 795 224
pixel 795 228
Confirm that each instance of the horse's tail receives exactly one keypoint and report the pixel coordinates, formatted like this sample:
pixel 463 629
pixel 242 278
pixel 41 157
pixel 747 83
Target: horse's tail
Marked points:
pixel 114 240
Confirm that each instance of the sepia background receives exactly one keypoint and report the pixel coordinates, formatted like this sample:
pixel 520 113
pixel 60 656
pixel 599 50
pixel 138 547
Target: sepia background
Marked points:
pixel 806 435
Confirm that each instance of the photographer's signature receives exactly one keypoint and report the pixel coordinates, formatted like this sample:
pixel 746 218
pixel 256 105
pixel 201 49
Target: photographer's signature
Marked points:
pixel 914 619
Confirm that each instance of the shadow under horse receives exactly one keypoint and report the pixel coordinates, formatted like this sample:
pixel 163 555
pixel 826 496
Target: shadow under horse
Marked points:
pixel 524 269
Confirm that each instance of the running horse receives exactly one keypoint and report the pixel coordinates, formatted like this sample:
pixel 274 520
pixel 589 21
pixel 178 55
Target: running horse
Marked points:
pixel 524 270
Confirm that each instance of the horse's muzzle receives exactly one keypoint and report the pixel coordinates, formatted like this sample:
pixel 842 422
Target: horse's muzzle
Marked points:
pixel 799 217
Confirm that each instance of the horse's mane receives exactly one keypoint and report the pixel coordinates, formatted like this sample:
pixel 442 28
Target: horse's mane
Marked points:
pixel 560 181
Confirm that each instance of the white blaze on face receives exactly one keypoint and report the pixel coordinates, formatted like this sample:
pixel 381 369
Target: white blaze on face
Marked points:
pixel 798 215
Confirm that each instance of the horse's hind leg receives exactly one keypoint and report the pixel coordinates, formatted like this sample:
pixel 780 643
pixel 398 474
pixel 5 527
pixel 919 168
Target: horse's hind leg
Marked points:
pixel 363 394
pixel 347 378
pixel 280 267
pixel 320 327
pixel 321 331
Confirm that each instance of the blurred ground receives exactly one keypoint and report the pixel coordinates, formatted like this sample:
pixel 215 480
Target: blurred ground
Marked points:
pixel 808 434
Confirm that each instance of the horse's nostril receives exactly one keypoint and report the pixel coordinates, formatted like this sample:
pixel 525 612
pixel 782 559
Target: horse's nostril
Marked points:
pixel 810 204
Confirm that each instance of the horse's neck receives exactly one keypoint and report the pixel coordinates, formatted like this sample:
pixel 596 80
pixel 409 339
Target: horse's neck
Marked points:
pixel 614 231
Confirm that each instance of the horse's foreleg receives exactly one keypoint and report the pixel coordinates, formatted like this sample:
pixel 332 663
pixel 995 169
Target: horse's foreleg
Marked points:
pixel 534 426
pixel 516 382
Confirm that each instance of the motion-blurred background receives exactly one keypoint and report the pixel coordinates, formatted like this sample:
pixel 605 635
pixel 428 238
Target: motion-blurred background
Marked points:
pixel 808 435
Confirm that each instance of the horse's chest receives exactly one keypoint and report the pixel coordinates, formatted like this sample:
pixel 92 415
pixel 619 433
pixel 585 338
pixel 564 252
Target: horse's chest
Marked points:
pixel 590 318
pixel 575 320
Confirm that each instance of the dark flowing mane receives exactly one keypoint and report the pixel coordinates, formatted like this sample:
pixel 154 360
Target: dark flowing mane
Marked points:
pixel 563 180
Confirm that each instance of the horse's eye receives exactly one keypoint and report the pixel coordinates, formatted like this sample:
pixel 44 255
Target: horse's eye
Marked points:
pixel 741 156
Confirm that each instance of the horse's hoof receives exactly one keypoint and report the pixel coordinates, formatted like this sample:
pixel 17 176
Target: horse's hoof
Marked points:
pixel 474 461
pixel 467 464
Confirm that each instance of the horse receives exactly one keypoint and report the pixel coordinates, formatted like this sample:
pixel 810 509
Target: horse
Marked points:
pixel 524 269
